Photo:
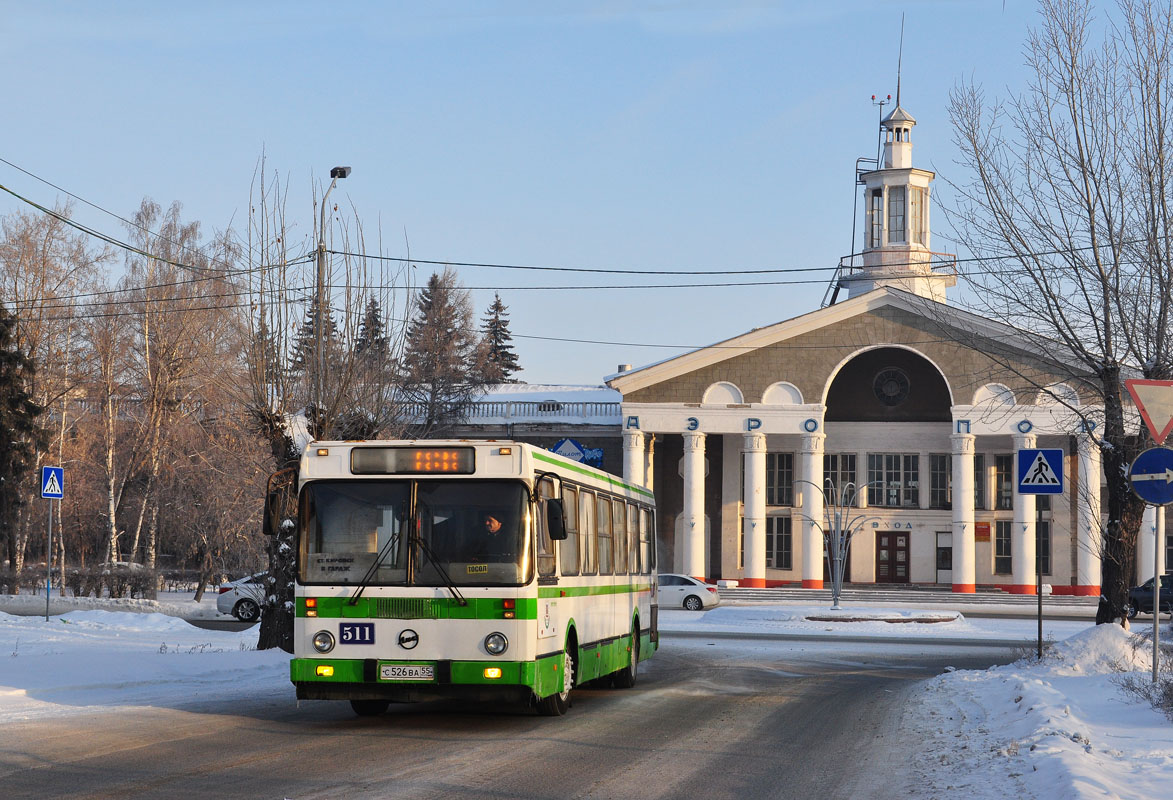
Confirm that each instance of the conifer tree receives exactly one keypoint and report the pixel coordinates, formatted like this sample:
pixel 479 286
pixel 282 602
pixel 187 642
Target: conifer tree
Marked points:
pixel 305 341
pixel 440 373
pixel 372 337
pixel 498 360
pixel 20 431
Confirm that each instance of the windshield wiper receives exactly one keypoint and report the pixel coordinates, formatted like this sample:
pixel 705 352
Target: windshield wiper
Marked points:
pixel 448 582
pixel 370 576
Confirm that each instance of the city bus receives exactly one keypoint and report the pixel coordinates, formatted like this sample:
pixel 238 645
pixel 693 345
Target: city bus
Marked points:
pixel 484 570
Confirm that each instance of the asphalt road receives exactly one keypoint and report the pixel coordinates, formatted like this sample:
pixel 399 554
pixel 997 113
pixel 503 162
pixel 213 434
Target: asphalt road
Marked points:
pixel 714 719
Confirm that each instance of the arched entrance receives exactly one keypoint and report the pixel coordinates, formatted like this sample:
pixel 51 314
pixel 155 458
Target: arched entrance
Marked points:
pixel 896 394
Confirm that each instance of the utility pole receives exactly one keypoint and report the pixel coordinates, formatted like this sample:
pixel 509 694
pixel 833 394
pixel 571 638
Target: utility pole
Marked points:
pixel 320 295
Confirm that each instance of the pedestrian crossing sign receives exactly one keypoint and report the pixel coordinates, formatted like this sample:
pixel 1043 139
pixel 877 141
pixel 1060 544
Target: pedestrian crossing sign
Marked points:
pixel 53 482
pixel 1040 471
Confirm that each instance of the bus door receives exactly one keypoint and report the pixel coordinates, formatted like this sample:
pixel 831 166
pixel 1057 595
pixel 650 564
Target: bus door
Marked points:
pixel 549 616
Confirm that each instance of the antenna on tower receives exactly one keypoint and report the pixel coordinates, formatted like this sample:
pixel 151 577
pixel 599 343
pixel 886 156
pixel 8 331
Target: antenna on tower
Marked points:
pixel 899 60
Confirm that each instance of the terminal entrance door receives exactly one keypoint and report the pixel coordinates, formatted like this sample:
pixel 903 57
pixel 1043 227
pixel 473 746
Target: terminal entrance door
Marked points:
pixel 892 556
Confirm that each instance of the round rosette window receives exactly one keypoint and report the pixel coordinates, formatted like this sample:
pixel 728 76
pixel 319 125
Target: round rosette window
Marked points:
pixel 891 386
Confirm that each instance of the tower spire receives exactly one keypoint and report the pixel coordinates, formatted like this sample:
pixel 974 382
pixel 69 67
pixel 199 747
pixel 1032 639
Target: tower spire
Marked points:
pixel 899 60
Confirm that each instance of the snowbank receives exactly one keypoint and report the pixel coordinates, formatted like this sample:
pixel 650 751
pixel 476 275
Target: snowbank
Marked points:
pixel 1061 728
pixel 87 659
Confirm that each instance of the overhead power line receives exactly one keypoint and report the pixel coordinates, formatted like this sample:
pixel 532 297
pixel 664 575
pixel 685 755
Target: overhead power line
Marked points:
pixel 124 220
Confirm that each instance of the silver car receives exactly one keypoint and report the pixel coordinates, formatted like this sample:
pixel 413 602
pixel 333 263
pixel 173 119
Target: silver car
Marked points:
pixel 681 591
pixel 242 598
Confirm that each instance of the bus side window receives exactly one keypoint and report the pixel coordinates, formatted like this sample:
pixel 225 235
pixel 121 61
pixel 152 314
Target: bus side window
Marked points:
pixel 545 544
pixel 604 520
pixel 568 549
pixel 647 539
pixel 633 538
pixel 619 535
pixel 588 535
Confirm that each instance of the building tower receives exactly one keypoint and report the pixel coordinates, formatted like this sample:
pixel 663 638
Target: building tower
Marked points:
pixel 897 248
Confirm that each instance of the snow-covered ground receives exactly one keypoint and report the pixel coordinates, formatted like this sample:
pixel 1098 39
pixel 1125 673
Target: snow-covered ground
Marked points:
pixel 1053 730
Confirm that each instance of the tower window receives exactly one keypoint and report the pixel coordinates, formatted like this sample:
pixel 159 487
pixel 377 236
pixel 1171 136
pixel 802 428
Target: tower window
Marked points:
pixel 876 219
pixel 896 214
pixel 916 214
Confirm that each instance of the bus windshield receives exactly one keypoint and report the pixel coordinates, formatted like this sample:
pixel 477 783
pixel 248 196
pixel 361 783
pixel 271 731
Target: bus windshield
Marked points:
pixel 466 532
pixel 475 530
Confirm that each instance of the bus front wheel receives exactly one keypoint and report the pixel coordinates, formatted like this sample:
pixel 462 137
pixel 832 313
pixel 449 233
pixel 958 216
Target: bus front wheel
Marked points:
pixel 556 704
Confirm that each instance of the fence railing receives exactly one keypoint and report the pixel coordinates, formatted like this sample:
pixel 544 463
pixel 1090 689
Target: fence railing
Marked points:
pixel 518 410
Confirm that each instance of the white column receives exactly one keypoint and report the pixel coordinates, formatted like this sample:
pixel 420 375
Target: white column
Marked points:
pixel 649 460
pixel 754 510
pixel 1088 520
pixel 694 505
pixel 633 457
pixel 861 477
pixel 812 510
pixel 924 480
pixel 964 558
pixel 1146 544
pixel 1022 537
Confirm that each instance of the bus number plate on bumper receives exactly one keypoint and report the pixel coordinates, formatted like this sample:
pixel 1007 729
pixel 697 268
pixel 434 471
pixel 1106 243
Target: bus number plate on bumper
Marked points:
pixel 407 672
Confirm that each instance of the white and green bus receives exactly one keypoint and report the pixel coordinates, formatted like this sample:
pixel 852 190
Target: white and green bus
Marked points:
pixel 467 569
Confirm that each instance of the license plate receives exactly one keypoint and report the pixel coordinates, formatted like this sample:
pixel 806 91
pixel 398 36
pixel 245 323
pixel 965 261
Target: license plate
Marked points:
pixel 407 672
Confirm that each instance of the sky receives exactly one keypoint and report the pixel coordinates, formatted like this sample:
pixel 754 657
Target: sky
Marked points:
pixel 1060 729
pixel 657 135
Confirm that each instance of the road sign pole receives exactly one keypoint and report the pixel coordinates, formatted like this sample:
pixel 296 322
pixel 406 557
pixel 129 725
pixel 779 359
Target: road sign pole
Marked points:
pixel 49 564
pixel 1160 518
pixel 1039 583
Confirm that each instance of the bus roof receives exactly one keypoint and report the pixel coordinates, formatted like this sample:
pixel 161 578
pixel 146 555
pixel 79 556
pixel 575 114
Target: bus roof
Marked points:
pixel 325 460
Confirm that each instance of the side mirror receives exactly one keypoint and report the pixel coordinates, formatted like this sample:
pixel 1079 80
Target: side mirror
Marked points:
pixel 556 519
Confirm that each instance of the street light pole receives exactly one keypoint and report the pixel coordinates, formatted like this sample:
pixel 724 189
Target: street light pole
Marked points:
pixel 320 297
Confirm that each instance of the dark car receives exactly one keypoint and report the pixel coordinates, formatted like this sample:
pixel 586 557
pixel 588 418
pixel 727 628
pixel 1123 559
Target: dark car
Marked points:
pixel 1140 598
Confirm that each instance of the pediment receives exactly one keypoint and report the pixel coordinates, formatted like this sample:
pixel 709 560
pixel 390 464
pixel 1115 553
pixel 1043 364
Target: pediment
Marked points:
pixel 808 350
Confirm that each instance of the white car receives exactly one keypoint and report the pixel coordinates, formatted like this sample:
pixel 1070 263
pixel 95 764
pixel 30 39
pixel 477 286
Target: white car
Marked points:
pixel 681 591
pixel 242 598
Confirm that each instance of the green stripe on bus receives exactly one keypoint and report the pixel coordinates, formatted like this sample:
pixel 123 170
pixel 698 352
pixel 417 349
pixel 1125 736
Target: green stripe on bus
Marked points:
pixel 419 608
pixel 589 591
pixel 602 476
pixel 523 673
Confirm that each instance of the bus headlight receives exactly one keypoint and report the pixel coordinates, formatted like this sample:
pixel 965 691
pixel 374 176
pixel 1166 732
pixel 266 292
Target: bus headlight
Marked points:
pixel 496 643
pixel 323 641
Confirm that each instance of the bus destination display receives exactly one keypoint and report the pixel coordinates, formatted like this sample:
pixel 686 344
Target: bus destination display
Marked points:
pixel 412 461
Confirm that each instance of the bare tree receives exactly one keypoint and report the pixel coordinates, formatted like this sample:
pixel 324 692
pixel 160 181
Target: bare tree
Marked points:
pixel 45 265
pixel 1067 210
pixel 346 393
pixel 180 304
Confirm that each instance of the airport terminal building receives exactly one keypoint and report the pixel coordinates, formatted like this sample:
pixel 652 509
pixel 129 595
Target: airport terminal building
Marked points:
pixel 887 387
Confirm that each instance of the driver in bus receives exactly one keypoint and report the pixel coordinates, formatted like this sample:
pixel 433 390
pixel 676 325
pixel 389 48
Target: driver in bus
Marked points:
pixel 492 538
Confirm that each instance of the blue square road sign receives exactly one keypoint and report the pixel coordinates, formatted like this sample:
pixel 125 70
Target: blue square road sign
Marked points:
pixel 1040 470
pixel 53 482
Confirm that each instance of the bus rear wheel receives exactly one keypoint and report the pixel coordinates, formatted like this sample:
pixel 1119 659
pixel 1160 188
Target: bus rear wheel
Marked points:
pixel 556 704
pixel 369 708
pixel 625 678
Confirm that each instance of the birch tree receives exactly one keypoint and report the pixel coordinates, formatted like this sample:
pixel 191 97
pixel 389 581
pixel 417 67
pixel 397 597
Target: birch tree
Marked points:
pixel 46 266
pixel 180 302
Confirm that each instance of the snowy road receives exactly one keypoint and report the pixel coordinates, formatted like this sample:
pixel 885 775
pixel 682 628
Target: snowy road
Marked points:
pixel 713 719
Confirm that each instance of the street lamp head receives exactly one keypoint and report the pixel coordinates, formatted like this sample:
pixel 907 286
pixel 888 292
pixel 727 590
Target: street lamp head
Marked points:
pixel 340 172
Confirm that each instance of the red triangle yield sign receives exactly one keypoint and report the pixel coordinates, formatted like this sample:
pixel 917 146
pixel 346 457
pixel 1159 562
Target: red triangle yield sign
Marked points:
pixel 1154 400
